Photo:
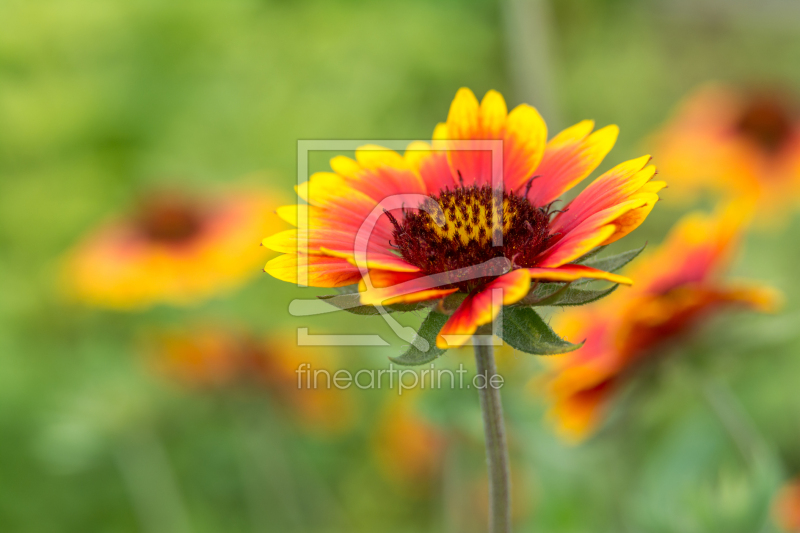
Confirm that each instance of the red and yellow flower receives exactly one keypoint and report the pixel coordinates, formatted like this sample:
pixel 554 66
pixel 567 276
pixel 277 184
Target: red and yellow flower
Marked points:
pixel 174 249
pixel 437 221
pixel 745 145
pixel 677 287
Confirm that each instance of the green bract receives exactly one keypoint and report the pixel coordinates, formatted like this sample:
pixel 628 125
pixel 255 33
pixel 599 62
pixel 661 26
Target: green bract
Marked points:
pixel 520 325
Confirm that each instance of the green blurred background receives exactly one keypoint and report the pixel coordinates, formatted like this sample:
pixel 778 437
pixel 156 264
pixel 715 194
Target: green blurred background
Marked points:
pixel 102 100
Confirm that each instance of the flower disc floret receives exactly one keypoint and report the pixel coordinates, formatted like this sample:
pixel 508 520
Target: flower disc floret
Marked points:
pixel 468 227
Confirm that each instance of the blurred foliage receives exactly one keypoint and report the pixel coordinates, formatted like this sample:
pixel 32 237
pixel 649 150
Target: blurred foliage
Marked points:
pixel 101 100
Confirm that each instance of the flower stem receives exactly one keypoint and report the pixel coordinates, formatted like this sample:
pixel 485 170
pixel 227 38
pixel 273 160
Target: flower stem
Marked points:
pixel 496 447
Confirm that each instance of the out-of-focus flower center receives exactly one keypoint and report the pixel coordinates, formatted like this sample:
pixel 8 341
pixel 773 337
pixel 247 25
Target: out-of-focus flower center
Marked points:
pixel 767 122
pixel 456 229
pixel 169 219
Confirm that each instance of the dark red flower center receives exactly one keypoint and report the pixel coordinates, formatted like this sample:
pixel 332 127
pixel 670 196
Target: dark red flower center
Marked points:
pixel 470 226
pixel 767 122
pixel 169 218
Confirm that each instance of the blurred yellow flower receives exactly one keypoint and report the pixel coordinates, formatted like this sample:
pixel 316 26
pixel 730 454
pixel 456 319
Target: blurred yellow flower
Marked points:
pixel 677 287
pixel 216 357
pixel 173 249
pixel 739 143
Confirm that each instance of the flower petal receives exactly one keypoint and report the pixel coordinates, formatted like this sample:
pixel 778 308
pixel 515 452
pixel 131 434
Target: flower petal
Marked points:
pixel 322 271
pixel 617 185
pixel 523 144
pixel 344 242
pixel 341 204
pixel 578 243
pixel 632 219
pixel 698 249
pixel 371 156
pixel 440 133
pixel 568 159
pixel 596 230
pixel 572 272
pixel 288 241
pixel 345 167
pixel 757 297
pixel 378 172
pixel 376 260
pixel 464 123
pixel 436 172
pixel 523 132
pixel 314 218
pixel 479 308
pixel 294 214
pixel 331 191
pixel 493 114
pixel 463 119
pixel 578 414
pixel 416 152
pixel 399 287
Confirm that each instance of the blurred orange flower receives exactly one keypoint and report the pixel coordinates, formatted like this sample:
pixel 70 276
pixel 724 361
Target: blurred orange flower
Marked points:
pixel 408 448
pixel 786 509
pixel 174 249
pixel 743 144
pixel 677 287
pixel 202 358
pixel 216 358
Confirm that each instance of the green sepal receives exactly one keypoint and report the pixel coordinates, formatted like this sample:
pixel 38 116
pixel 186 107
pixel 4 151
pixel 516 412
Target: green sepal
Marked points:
pixel 351 303
pixel 428 332
pixel 347 289
pixel 589 255
pixel 525 331
pixel 451 302
pixel 612 263
pixel 574 296
pixel 541 294
pixel 563 295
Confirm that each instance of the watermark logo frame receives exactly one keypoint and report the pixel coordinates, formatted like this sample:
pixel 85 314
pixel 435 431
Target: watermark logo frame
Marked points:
pixel 315 306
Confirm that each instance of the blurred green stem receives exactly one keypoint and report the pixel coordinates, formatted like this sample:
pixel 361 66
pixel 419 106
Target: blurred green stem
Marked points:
pixel 266 469
pixel 528 25
pixel 496 446
pixel 151 484
pixel 735 420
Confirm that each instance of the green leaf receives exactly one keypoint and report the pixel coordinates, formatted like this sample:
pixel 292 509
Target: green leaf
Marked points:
pixel 563 295
pixel 540 293
pixel 351 303
pixel 525 330
pixel 585 257
pixel 560 294
pixel 347 289
pixel 427 350
pixel 613 263
pixel 573 296
pixel 451 302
